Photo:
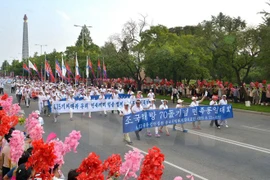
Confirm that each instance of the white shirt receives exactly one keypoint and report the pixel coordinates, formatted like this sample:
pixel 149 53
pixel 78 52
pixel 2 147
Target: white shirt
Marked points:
pixel 193 104
pixel 223 102
pixel 179 106
pixel 125 112
pixel 213 103
pixel 136 109
pixel 151 106
pixel 151 95
pixel 163 106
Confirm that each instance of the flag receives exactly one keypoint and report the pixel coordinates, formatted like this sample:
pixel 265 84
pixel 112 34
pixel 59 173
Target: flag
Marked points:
pixel 98 64
pixel 91 68
pixel 25 67
pixel 31 66
pixel 58 69
pixel 47 68
pixel 37 71
pixel 77 73
pixel 64 70
pixel 87 68
pixel 68 69
pixel 104 71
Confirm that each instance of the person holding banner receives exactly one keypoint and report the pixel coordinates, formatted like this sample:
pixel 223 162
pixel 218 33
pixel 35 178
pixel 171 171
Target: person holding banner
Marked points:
pixel 125 111
pixel 224 101
pixel 102 99
pixel 87 97
pixel 139 95
pixel 180 105
pixel 137 108
pixel 52 100
pixel 195 103
pixel 70 99
pixel 164 106
pixel 214 103
pixel 152 106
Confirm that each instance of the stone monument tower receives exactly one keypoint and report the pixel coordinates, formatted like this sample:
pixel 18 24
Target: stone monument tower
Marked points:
pixel 25 46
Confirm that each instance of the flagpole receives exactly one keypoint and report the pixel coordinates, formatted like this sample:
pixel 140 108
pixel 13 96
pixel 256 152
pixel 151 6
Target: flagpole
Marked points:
pixel 103 70
pixel 75 70
pixel 87 75
pixel 28 71
pixel 45 68
pixel 62 68
pixel 55 70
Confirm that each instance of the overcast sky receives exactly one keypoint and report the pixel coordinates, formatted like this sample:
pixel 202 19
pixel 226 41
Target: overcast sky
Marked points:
pixel 51 22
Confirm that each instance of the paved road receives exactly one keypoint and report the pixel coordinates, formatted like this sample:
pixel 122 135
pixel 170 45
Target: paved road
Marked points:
pixel 240 152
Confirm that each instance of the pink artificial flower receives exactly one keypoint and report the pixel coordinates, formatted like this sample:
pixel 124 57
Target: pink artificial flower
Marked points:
pixel 16 145
pixel 59 151
pixel 36 132
pixel 190 177
pixel 72 141
pixel 132 164
pixel 178 178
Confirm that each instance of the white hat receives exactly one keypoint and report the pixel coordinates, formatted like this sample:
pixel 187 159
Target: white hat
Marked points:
pixel 132 93
pixel 224 95
pixel 37 111
pixel 126 103
pixel 194 98
pixel 180 101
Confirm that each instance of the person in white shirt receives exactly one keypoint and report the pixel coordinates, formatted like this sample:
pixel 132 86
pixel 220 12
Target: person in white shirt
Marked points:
pixel 164 106
pixel 180 105
pixel 27 97
pixel 71 100
pixel 19 93
pixel 195 103
pixel 115 96
pixel 214 103
pixel 151 95
pixel 137 108
pixel 121 91
pixel 102 99
pixel 40 101
pixel 46 103
pixel 125 111
pixel 87 97
pixel 223 101
pixel 52 100
pixel 152 106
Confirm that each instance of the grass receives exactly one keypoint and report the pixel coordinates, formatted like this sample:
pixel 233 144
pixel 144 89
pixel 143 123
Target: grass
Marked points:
pixel 256 108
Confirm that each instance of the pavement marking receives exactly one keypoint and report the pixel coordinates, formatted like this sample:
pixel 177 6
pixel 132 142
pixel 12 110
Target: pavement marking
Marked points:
pixel 173 165
pixel 229 141
pixel 265 130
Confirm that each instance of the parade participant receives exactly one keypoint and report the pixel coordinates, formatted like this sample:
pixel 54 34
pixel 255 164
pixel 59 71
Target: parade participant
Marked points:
pixel 125 111
pixel 151 95
pixel 121 90
pixel 195 103
pixel 19 94
pixel 152 106
pixel 214 103
pixel 40 102
pixel 115 96
pixel 139 95
pixel 87 97
pixel 224 101
pixel 12 87
pixel 46 103
pixel 102 99
pixel 180 105
pixel 2 88
pixel 27 96
pixel 70 99
pixel 174 94
pixel 137 108
pixel 52 100
pixel 164 106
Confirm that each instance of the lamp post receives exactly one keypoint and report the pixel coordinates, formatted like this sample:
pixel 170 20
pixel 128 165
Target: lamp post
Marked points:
pixel 82 33
pixel 41 45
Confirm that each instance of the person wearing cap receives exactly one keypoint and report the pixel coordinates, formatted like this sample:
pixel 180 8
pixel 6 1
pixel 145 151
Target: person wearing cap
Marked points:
pixel 46 103
pixel 87 97
pixel 152 106
pixel 40 119
pixel 224 101
pixel 19 94
pixel 180 105
pixel 137 108
pixel 125 111
pixel 195 103
pixel 151 95
pixel 27 96
pixel 53 99
pixel 214 103
pixel 40 101
pixel 164 106
pixel 139 95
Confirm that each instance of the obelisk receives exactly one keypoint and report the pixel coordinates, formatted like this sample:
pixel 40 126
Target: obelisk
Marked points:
pixel 25 47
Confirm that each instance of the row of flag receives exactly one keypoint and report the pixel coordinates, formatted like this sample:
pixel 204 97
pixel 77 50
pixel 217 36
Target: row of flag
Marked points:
pixel 64 69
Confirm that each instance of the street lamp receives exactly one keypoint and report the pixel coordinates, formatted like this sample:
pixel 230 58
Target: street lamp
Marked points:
pixel 41 45
pixel 82 32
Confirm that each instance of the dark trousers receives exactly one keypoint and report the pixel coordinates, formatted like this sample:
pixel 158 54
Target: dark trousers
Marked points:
pixel 216 123
pixel 1 91
pixel 174 98
pixel 5 170
pixel 235 99
pixel 19 97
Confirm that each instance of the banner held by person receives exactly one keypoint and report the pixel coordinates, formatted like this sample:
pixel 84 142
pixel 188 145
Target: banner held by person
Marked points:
pixel 156 118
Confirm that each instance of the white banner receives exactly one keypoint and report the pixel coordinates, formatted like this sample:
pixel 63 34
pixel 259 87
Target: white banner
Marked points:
pixel 94 105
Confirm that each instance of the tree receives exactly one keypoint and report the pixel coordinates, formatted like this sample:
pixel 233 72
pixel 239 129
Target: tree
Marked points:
pixel 84 40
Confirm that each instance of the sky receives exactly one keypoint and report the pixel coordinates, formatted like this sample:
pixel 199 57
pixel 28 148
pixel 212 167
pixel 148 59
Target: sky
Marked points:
pixel 51 22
